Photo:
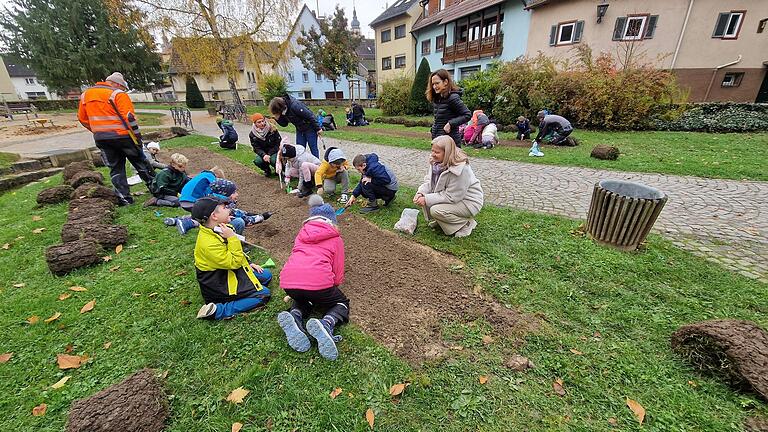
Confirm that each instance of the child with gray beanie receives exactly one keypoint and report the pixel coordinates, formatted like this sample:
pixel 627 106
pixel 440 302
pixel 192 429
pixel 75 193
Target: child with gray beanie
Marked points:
pixel 311 277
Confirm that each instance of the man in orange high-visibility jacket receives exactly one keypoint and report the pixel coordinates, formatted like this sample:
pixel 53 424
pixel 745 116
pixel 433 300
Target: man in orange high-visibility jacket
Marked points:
pixel 107 111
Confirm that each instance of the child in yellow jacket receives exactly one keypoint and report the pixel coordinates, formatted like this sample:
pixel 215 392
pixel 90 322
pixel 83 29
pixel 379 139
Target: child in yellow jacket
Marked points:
pixel 332 171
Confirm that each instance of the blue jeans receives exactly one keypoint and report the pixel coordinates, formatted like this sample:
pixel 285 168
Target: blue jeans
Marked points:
pixel 230 309
pixel 238 224
pixel 308 137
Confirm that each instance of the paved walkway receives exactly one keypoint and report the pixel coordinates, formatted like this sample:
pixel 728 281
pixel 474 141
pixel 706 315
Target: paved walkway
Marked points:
pixel 725 221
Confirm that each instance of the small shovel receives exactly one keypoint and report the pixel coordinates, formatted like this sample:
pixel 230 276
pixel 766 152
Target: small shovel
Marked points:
pixel 340 211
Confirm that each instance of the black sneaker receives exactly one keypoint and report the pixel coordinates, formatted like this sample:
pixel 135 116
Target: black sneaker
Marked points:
pixel 388 202
pixel 372 207
pixel 304 193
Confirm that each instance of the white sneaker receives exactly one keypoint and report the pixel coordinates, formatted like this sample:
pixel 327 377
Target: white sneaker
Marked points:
pixel 466 230
pixel 538 153
pixel 343 198
pixel 207 311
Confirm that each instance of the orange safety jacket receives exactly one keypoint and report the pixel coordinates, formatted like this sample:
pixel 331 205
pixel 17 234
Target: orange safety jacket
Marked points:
pixel 97 112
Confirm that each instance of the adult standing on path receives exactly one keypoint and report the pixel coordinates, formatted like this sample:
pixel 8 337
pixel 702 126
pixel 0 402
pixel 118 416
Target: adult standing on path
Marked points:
pixel 450 111
pixel 107 111
pixel 287 109
pixel 451 195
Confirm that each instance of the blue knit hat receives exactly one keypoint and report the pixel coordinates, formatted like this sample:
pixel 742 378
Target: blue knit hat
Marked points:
pixel 318 208
pixel 223 187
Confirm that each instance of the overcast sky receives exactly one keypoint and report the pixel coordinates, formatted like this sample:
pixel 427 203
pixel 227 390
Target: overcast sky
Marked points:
pixel 367 10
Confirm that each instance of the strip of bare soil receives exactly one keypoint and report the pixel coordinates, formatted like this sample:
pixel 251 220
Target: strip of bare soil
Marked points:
pixel 426 136
pixel 400 291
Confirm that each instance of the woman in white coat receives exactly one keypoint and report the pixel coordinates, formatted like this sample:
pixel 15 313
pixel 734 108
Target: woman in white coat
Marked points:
pixel 451 195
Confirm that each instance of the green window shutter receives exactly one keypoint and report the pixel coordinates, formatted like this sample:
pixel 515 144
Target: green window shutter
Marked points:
pixel 618 30
pixel 553 36
pixel 650 29
pixel 722 22
pixel 578 31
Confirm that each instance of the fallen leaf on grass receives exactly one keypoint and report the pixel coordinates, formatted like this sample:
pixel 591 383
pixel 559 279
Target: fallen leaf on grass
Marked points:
pixel 88 306
pixel 154 294
pixel 34 319
pixel 7 246
pixel 692 383
pixel 39 410
pixel 557 386
pixel 487 339
pixel 370 417
pixel 335 392
pixel 164 375
pixel 53 318
pixel 287 299
pixel 597 335
pixel 181 273
pixel 78 288
pixel 114 269
pixel 575 351
pixel 36 218
pixel 526 226
pixel 5 357
pixel 138 269
pixel 19 285
pixel 185 302
pixel 68 361
pixel 238 395
pixel 398 389
pixel 637 409
pixel 107 345
pixel 136 294
pixel 19 238
pixel 68 349
pixel 64 296
pixel 613 422
pixel 60 383
pixel 236 427
pixel 118 249
pixel 106 258
pixel 483 379
pixel 38 230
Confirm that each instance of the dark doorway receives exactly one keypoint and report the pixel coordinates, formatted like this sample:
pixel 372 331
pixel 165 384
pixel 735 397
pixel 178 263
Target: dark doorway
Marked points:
pixel 762 94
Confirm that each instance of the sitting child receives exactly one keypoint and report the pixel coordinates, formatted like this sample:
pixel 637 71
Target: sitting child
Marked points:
pixel 167 184
pixel 229 284
pixel 377 182
pixel 523 128
pixel 332 171
pixel 229 138
pixel 311 277
pixel 150 152
pixel 265 140
pixel 198 187
pixel 299 163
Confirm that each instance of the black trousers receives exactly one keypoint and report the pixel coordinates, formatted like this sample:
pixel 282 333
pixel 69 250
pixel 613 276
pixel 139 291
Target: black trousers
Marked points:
pixel 329 301
pixel 373 192
pixel 115 152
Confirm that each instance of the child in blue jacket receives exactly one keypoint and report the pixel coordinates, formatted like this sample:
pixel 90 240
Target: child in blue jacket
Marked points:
pixel 229 138
pixel 377 182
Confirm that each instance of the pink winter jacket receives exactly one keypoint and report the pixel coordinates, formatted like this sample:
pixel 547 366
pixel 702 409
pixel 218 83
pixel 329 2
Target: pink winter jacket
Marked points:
pixel 317 258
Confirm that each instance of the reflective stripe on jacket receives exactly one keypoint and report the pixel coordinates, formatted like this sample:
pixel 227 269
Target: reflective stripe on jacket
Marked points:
pixel 97 112
pixel 223 271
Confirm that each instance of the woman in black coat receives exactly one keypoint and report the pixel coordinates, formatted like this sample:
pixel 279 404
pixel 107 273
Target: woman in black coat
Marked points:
pixel 265 140
pixel 450 111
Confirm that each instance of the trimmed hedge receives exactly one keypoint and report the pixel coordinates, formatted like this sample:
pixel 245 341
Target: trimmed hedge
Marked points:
pixel 717 117
pixel 53 105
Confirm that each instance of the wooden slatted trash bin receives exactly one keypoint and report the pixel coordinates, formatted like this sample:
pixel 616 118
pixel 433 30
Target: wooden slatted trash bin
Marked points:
pixel 622 213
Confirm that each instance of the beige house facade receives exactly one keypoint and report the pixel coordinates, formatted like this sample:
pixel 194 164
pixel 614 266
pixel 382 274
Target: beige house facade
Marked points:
pixel 717 48
pixel 395 45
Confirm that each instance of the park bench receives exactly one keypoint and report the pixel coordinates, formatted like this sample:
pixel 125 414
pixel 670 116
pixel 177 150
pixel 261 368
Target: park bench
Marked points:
pixel 8 109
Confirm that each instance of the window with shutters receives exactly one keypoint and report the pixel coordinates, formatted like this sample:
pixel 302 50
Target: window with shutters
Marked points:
pixel 566 33
pixel 635 27
pixel 728 25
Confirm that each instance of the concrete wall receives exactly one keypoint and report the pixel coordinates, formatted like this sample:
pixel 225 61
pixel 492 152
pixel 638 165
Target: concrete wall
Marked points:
pixel 397 47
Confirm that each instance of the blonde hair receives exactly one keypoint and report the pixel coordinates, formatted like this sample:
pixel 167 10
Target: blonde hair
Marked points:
pixel 218 172
pixel 453 155
pixel 179 159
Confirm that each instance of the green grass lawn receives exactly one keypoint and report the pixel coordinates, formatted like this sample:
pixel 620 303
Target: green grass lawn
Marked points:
pixel 160 106
pixel 150 119
pixel 616 309
pixel 6 159
pixel 727 156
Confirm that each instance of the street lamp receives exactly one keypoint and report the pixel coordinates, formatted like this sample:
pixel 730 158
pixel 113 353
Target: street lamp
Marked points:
pixel 601 8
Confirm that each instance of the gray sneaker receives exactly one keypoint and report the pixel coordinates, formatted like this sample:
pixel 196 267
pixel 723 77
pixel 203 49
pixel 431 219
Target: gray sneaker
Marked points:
pixel 326 343
pixel 297 339
pixel 207 311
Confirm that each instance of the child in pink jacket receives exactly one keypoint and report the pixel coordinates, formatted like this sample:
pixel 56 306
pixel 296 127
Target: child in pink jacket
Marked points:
pixel 311 277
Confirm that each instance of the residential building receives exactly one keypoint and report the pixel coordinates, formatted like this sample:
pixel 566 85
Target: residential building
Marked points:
pixel 366 51
pixel 24 80
pixel 467 36
pixel 215 86
pixel 7 90
pixel 717 48
pixel 395 44
pixel 306 84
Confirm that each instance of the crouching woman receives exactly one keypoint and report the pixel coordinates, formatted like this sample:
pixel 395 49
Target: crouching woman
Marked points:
pixel 451 195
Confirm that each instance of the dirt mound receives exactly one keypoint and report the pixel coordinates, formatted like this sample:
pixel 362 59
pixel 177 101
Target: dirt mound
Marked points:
pixel 756 424
pixel 400 291
pixel 91 190
pixel 605 152
pixel 75 167
pixel 66 257
pixel 84 177
pixel 137 404
pixel 737 350
pixel 54 195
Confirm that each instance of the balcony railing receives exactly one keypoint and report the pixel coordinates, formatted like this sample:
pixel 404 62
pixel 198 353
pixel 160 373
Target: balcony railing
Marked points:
pixel 472 50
